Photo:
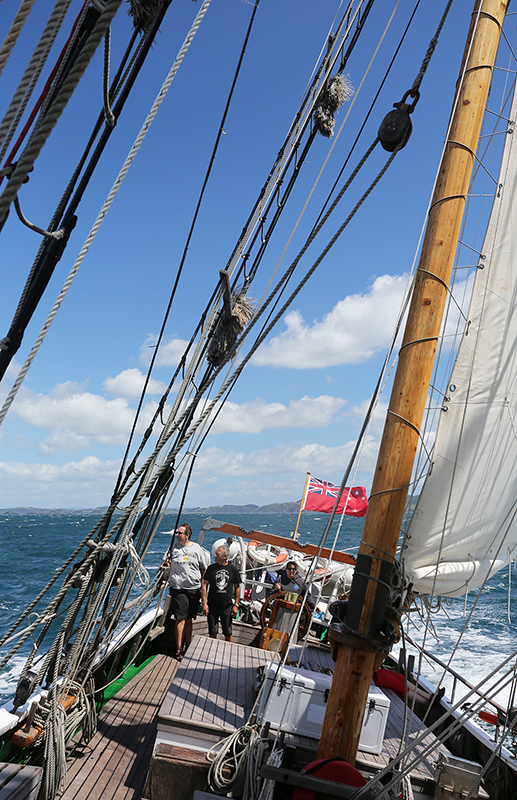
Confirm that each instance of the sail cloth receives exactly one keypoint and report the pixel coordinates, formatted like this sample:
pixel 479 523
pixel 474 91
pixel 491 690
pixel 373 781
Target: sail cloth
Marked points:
pixel 321 496
pixel 464 527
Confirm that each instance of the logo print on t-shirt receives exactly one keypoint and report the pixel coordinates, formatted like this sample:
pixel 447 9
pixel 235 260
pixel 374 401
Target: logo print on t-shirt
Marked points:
pixel 222 579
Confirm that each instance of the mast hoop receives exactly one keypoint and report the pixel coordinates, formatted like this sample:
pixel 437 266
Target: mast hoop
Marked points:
pixel 379 549
pixel 387 491
pixel 487 15
pixel 449 196
pixel 418 341
pixel 436 277
pixel 448 290
pixel 403 419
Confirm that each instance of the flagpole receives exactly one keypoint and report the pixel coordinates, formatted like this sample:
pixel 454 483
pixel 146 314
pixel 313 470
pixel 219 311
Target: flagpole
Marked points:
pixel 301 504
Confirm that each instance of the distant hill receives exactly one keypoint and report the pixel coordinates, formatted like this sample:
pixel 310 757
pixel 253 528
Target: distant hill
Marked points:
pixel 273 508
pixel 212 511
pixel 53 512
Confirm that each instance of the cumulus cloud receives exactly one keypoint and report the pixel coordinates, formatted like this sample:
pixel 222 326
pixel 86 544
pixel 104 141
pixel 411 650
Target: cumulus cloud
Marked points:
pixel 130 382
pixel 355 329
pixel 169 354
pixel 309 412
pixel 77 483
pixel 284 459
pixel 78 419
pixel 378 417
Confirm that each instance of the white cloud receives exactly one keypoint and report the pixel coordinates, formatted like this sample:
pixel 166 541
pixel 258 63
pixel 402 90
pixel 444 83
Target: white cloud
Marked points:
pixel 309 412
pixel 169 354
pixel 378 418
pixel 78 419
pixel 325 462
pixel 130 382
pixel 83 483
pixel 355 329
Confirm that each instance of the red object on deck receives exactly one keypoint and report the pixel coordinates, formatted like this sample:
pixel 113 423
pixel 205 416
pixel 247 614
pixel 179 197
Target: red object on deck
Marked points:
pixel 387 679
pixel 332 769
pixel 487 716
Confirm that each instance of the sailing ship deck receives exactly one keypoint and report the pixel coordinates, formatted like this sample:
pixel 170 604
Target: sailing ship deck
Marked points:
pixel 114 764
pixel 204 698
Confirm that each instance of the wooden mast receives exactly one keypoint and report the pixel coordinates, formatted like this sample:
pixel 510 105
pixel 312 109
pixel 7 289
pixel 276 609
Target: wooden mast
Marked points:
pixel 358 654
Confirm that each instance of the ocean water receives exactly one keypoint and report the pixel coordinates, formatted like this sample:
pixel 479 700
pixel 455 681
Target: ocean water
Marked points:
pixel 34 546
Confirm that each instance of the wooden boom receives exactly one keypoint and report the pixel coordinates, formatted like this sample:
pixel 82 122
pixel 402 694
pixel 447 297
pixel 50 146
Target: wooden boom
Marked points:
pixel 279 541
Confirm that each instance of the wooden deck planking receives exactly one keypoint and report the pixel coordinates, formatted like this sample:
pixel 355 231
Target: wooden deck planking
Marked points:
pixel 214 685
pixel 196 679
pixel 114 764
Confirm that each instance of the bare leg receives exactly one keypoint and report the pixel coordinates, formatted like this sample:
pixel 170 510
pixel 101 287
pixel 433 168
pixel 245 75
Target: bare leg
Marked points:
pixel 187 635
pixel 178 633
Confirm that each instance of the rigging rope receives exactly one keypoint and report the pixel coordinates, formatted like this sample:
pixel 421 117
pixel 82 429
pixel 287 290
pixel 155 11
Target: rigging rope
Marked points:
pixel 30 77
pixel 187 243
pixel 14 31
pixel 43 131
pixel 108 113
pixel 105 208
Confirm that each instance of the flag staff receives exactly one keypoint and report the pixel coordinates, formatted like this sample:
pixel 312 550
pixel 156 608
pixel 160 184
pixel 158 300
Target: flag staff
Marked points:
pixel 301 504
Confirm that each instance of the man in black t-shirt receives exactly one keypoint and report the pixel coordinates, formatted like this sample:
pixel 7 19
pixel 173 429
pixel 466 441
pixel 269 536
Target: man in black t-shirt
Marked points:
pixel 220 579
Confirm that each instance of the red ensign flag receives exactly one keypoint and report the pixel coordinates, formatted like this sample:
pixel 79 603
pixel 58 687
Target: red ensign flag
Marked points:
pixel 321 496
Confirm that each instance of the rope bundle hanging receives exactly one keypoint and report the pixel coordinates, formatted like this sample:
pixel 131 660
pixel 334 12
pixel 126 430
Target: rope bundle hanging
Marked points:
pixel 337 90
pixel 231 323
pixel 144 12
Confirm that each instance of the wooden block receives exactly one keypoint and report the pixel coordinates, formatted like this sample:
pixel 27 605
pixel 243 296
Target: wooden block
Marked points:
pixel 176 773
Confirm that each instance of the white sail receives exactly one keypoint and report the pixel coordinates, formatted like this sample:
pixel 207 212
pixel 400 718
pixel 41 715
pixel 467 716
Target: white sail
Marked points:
pixel 464 527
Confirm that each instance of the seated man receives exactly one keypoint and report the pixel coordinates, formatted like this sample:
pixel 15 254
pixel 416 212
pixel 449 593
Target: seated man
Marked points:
pixel 289 580
pixel 220 579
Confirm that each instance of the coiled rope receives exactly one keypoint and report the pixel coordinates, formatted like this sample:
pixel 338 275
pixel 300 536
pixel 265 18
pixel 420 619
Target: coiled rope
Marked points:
pixel 233 754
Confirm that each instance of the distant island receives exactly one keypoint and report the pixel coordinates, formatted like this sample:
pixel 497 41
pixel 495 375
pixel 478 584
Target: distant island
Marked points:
pixel 209 511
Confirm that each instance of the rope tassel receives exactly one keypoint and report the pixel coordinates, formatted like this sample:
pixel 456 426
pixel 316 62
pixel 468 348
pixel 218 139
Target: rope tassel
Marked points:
pixel 144 12
pixel 337 90
pixel 228 328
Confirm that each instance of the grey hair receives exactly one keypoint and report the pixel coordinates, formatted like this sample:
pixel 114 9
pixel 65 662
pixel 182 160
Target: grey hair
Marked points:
pixel 225 549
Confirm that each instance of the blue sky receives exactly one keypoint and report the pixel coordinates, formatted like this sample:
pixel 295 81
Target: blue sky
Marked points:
pixel 299 404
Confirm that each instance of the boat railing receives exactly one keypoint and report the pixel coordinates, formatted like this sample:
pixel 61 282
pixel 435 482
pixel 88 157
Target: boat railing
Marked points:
pixel 456 677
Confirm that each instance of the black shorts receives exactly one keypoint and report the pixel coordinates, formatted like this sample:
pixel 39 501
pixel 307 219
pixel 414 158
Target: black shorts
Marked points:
pixel 184 603
pixel 225 615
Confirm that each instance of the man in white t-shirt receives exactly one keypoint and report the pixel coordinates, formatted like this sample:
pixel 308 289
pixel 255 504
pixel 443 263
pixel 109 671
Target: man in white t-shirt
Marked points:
pixel 188 564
